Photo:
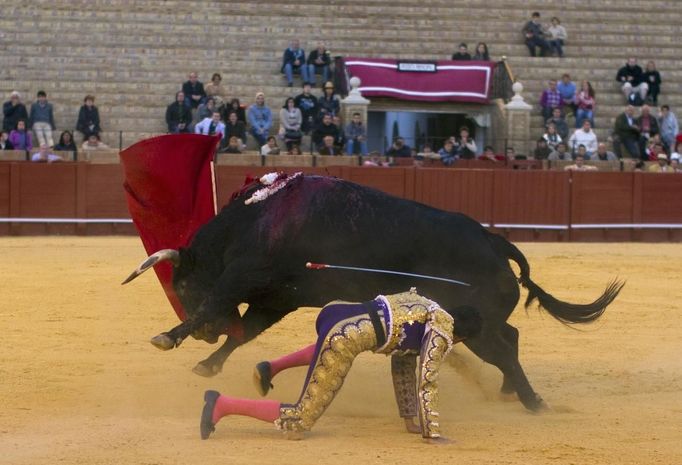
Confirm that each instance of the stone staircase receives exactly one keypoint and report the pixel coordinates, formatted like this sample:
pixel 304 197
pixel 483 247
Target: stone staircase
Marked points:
pixel 134 55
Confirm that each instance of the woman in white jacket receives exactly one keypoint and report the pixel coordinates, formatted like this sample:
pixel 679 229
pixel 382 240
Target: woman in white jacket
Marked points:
pixel 290 120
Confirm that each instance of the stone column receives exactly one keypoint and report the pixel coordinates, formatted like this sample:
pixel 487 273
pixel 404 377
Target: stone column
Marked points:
pixel 518 122
pixel 354 103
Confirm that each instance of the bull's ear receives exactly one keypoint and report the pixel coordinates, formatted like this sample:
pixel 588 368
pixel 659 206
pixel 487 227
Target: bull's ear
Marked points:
pixel 162 255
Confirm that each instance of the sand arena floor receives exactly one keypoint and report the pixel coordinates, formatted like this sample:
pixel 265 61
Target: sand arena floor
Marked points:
pixel 80 384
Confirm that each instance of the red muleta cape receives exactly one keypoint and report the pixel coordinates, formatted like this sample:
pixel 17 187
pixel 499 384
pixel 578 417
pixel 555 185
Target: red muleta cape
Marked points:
pixel 170 189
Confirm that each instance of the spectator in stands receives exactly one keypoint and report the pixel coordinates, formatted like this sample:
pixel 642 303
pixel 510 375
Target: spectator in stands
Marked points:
pixel 293 61
pixel 585 101
pixel 260 119
pixel 94 143
pixel 20 138
pixel 399 149
pixel 13 111
pixel 550 100
pixel 178 115
pixel 560 153
pixel 632 80
pixel 567 89
pixel 603 154
pixel 551 137
pixel 328 147
pixel 206 109
pixel 67 144
pixel 42 119
pixel 329 101
pixel 662 166
pixel 325 128
pixel 462 54
pixel 481 52
pixel 584 136
pixel 654 150
pixel 215 88
pixel 235 107
pixel 667 123
pixel 194 91
pixel 535 36
pixel 627 133
pixel 489 154
pixel 234 145
pixel 235 128
pixel 295 150
pixel 675 165
pixel 580 165
pixel 211 126
pixel 356 135
pixel 541 151
pixel 653 80
pixel 448 153
pixel 5 143
pixel 270 147
pixel 511 155
pixel 559 123
pixel 467 146
pixel 340 140
pixel 45 155
pixel 88 118
pixel 318 63
pixel 648 127
pixel 557 37
pixel 290 118
pixel 307 103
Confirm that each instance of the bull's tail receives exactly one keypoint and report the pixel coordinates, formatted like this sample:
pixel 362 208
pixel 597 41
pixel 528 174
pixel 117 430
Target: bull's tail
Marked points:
pixel 565 312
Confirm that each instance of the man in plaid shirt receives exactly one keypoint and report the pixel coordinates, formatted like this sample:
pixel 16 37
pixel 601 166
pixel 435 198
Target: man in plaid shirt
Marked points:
pixel 550 99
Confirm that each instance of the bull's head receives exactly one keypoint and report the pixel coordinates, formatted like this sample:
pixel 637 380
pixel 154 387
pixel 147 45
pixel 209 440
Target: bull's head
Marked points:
pixel 190 288
pixel 162 255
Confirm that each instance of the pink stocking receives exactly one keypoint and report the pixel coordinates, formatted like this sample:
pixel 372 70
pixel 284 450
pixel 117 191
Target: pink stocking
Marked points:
pixel 299 358
pixel 266 410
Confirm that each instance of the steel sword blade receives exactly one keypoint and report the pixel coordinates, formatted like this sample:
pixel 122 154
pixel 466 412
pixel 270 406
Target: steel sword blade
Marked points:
pixel 322 266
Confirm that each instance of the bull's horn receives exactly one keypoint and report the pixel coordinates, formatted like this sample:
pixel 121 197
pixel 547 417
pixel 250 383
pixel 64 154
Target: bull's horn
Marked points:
pixel 160 256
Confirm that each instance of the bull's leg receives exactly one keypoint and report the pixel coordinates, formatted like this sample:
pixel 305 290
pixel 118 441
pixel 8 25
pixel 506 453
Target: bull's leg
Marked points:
pixel 511 336
pixel 257 319
pixel 493 348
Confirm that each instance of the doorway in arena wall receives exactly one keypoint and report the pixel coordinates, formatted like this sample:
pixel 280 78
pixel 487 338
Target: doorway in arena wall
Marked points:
pixel 421 128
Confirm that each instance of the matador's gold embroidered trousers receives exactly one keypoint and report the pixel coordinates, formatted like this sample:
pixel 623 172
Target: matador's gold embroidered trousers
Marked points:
pixel 335 355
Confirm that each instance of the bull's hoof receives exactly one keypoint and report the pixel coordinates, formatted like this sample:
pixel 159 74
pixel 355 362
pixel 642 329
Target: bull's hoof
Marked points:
pixel 163 342
pixel 540 407
pixel 206 369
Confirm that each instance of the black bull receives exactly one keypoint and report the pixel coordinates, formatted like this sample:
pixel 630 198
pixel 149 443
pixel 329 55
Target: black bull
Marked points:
pixel 256 254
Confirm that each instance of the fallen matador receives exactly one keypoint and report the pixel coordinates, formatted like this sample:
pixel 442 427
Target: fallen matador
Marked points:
pixel 402 325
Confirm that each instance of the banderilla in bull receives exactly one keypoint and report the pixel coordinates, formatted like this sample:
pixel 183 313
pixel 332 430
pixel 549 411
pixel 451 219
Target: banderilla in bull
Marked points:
pixel 325 266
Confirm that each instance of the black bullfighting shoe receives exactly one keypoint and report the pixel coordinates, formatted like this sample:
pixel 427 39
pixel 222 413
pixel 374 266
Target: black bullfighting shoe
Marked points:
pixel 206 427
pixel 262 378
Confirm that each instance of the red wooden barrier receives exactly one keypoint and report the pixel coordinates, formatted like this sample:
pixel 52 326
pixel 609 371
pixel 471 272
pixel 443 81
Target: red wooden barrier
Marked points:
pixel 531 197
pixel 598 198
pixel 512 200
pixel 4 196
pixel 466 191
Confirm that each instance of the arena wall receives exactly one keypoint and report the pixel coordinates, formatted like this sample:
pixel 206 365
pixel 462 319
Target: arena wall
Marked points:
pixel 529 205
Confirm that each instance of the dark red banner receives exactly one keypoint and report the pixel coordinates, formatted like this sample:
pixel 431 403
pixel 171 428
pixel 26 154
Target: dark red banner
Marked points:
pixel 169 186
pixel 431 81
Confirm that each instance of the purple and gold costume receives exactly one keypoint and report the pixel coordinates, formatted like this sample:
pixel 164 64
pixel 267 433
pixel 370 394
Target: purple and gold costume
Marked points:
pixel 413 325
